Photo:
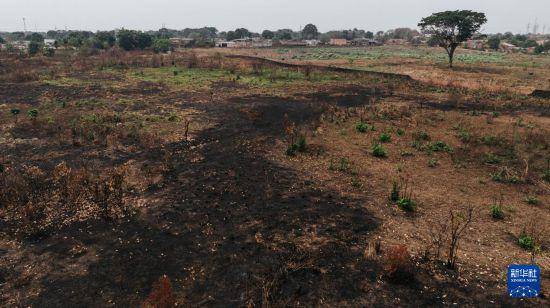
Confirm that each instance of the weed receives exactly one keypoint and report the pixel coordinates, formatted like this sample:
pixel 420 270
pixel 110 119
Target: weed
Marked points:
pixel 440 146
pixel 491 158
pixel 421 136
pixel 384 138
pixel 400 132
pixel 299 146
pixel 398 265
pixel 379 151
pixel 505 175
pixel 33 113
pixel 432 163
pixel 532 200
pixel 406 204
pixel 362 127
pixel 526 242
pixel 497 212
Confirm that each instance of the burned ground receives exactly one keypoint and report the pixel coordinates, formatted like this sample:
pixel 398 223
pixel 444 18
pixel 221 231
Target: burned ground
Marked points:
pixel 233 221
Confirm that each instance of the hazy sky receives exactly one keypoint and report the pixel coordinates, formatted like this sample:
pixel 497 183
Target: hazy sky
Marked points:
pixel 256 15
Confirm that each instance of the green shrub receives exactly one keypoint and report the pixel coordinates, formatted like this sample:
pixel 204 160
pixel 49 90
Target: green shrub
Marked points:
pixel 526 242
pixel 421 135
pixel 505 176
pixel 440 146
pixel 432 163
pixel 33 113
pixel 379 151
pixel 532 200
pixel 300 146
pixel 384 138
pixel 362 127
pixel 491 158
pixel 496 212
pixel 406 204
pixel 400 132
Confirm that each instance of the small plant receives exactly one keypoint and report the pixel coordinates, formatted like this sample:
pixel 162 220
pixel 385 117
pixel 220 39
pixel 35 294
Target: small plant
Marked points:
pixel 33 113
pixel 432 163
pixel 362 127
pixel 505 175
pixel 406 204
pixel 526 242
pixel 421 136
pixel 496 212
pixel 379 151
pixel 532 200
pixel 491 158
pixel 384 138
pixel 400 132
pixel 398 266
pixel 440 146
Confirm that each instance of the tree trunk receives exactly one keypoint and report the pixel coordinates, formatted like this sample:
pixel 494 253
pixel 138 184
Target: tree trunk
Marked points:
pixel 451 53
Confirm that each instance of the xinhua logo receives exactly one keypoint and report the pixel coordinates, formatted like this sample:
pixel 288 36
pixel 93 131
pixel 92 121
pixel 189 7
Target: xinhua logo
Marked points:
pixel 523 281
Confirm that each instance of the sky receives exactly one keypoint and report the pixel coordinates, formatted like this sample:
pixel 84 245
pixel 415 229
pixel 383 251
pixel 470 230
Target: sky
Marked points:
pixel 257 15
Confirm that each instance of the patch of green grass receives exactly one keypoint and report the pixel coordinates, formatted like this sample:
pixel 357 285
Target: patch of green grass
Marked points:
pixel 532 200
pixel 384 138
pixel 491 158
pixel 362 127
pixel 497 212
pixel 440 146
pixel 379 151
pixel 432 163
pixel 406 204
pixel 526 242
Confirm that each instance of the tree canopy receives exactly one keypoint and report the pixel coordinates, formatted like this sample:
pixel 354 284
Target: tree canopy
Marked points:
pixel 450 28
pixel 310 32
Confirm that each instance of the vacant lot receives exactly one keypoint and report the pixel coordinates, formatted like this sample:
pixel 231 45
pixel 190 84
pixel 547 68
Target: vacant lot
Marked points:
pixel 249 183
pixel 480 70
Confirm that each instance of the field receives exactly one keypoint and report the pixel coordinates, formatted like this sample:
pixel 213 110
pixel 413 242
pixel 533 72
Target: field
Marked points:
pixel 202 178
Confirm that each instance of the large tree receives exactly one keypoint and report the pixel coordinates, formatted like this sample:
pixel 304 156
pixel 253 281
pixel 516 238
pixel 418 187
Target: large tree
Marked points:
pixel 310 32
pixel 450 28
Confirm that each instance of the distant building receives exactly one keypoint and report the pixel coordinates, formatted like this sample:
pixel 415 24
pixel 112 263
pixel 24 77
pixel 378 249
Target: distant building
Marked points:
pixel 292 43
pixel 396 42
pixel 50 43
pixel 364 42
pixel 509 47
pixel 21 45
pixel 255 42
pixel 475 44
pixel 338 42
pixel 312 43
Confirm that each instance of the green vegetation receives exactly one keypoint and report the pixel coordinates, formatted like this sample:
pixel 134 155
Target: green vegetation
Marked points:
pixel 406 204
pixel 496 212
pixel 379 151
pixel 526 242
pixel 384 138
